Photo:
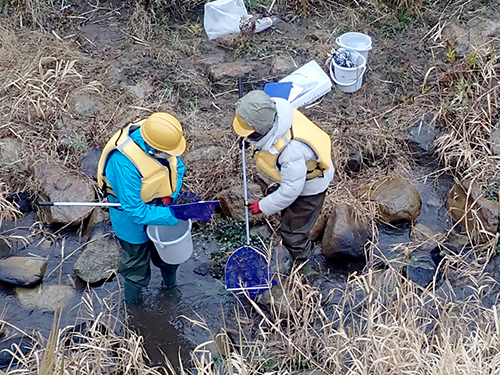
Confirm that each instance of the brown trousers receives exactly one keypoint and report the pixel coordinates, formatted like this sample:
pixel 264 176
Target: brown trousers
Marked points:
pixel 296 222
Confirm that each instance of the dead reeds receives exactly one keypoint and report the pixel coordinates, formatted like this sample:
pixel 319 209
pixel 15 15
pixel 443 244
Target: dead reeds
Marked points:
pixel 97 343
pixel 377 323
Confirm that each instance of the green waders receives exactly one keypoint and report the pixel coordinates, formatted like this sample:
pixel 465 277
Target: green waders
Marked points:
pixel 136 270
pixel 296 222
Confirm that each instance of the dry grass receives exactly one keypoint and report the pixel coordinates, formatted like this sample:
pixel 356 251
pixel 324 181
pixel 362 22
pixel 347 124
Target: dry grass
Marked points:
pixel 468 111
pixel 379 323
pixel 97 343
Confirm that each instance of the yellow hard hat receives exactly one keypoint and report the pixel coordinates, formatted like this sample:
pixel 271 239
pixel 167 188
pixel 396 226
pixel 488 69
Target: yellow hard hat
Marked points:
pixel 241 127
pixel 163 132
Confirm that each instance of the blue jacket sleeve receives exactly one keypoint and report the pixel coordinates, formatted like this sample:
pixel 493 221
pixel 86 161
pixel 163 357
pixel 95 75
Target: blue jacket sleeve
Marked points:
pixel 181 168
pixel 125 180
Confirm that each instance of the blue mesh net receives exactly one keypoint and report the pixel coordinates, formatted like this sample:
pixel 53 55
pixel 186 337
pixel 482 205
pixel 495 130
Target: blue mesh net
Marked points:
pixel 247 271
pixel 201 211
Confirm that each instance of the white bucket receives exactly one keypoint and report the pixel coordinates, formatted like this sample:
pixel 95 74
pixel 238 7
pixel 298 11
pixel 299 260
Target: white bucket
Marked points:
pixel 358 42
pixel 173 242
pixel 348 79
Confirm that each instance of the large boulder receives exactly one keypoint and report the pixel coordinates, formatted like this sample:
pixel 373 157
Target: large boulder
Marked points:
pixel 344 234
pixel 467 204
pixel 59 185
pixel 23 271
pixel 231 202
pixel 101 256
pixel 398 199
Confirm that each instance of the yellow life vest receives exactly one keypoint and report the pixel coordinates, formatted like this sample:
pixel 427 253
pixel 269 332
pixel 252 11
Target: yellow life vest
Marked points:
pixel 306 131
pixel 158 181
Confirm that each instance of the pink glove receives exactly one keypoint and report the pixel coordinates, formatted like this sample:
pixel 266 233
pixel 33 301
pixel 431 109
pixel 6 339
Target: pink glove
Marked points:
pixel 166 200
pixel 254 207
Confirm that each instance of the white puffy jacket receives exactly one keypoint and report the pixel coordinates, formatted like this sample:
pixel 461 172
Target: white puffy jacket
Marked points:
pixel 293 160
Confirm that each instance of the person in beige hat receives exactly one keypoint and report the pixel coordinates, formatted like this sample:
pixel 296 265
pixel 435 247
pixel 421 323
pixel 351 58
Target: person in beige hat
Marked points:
pixel 292 151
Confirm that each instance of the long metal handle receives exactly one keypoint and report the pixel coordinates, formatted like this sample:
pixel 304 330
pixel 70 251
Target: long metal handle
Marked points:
pixel 244 162
pixel 85 204
pixel 245 193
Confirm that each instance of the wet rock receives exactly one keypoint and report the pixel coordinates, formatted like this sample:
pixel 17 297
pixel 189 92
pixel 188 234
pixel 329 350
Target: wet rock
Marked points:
pixel 278 299
pixel 421 264
pixel 89 162
pixel 398 199
pixel 493 267
pixel 423 134
pixel 59 185
pixel 457 242
pixel 420 268
pixel 12 154
pixel 345 235
pixel 19 346
pixel 221 72
pixel 354 161
pixel 203 153
pixel 98 217
pixel 100 258
pixel 426 237
pixel 467 205
pixel 282 65
pixel 46 298
pixel 231 202
pixel 22 271
pixel 204 268
pixel 84 106
pixel 318 228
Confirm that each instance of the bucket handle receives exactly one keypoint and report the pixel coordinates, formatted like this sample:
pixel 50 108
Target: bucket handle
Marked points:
pixel 157 240
pixel 332 75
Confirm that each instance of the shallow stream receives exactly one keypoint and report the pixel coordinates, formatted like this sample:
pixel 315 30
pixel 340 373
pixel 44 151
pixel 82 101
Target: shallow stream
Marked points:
pixel 166 318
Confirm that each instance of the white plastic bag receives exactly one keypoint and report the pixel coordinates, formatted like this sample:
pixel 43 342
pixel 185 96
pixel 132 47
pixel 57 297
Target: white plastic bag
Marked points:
pixel 222 17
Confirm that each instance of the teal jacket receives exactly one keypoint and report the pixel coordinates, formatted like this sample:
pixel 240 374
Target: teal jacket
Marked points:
pixel 130 220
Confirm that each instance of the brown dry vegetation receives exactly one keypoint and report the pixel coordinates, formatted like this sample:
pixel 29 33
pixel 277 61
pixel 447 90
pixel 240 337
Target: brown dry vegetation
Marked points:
pixel 382 323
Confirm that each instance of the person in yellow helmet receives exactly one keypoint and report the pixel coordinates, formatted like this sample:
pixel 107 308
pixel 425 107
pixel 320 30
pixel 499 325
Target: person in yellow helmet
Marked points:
pixel 139 168
pixel 294 152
